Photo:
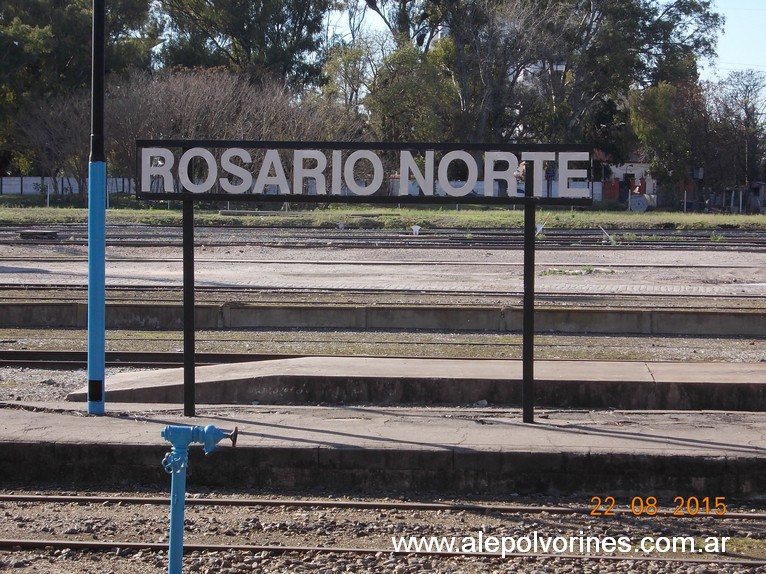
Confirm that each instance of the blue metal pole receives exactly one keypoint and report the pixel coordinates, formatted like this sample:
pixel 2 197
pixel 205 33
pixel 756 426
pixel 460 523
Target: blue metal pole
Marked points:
pixel 96 287
pixel 175 463
pixel 97 221
pixel 177 508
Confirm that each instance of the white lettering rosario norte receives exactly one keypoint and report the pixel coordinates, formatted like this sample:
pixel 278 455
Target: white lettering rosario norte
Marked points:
pixel 232 170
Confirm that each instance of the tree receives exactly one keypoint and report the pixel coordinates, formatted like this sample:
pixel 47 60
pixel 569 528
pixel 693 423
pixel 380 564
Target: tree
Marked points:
pixel 673 127
pixel 134 30
pixel 263 39
pixel 677 35
pixel 353 61
pixel 604 50
pixel 49 42
pixel 24 49
pixel 348 73
pixel 495 44
pixel 717 126
pixel 412 99
pixel 56 135
pixel 410 21
pixel 739 105
pixel 46 52
pixel 174 104
pixel 212 104
pixel 555 70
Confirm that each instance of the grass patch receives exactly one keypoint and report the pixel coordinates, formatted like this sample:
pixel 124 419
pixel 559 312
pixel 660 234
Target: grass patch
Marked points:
pixel 587 270
pixel 394 218
pixel 751 547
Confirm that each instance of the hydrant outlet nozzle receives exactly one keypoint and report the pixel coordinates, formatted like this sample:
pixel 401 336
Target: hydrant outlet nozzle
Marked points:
pixel 212 435
pixel 209 436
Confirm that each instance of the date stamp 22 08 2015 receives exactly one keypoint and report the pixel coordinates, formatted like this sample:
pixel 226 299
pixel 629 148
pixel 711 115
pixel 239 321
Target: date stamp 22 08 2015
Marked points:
pixel 650 506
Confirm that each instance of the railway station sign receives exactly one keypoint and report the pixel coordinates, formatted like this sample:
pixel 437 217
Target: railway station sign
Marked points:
pixel 324 172
pixel 346 172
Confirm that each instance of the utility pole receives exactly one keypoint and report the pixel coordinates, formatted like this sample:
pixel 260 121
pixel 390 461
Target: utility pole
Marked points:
pixel 97 220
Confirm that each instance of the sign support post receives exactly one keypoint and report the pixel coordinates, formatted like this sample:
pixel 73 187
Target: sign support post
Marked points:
pixel 528 317
pixel 188 297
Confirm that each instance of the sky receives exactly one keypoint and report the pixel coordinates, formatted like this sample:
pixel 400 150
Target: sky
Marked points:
pixel 741 45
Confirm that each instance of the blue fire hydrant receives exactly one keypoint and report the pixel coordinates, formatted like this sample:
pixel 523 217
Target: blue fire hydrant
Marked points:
pixel 175 463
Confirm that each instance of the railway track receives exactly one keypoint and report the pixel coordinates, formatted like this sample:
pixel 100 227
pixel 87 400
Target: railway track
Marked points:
pixel 42 359
pixel 394 263
pixel 331 503
pixel 258 294
pixel 96 546
pixel 224 274
pixel 311 532
pixel 53 350
pixel 146 236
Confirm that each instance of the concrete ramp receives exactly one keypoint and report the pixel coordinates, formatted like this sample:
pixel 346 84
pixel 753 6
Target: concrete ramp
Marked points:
pixel 392 381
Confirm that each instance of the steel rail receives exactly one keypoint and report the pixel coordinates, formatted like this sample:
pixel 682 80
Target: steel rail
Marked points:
pixel 142 231
pixel 64 360
pixel 352 505
pixel 103 546
pixel 246 289
pixel 359 263
pixel 155 359
pixel 755 247
pixel 453 238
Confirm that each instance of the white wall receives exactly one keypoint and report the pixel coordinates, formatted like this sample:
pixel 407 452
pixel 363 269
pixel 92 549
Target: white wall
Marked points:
pixel 35 185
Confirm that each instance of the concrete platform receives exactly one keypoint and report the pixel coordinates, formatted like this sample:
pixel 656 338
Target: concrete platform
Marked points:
pixel 387 450
pixel 500 318
pixel 426 449
pixel 593 433
pixel 387 381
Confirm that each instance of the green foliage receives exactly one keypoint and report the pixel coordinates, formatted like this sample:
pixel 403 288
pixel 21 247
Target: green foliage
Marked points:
pixel 507 71
pixel 657 119
pixel 606 48
pixel 681 127
pixel 578 61
pixel 412 99
pixel 739 123
pixel 45 42
pixel 45 47
pixel 410 22
pixel 158 213
pixel 267 39
pixel 347 74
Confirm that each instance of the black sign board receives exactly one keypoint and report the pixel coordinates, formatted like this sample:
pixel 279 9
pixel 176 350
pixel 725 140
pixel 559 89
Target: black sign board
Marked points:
pixel 325 172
